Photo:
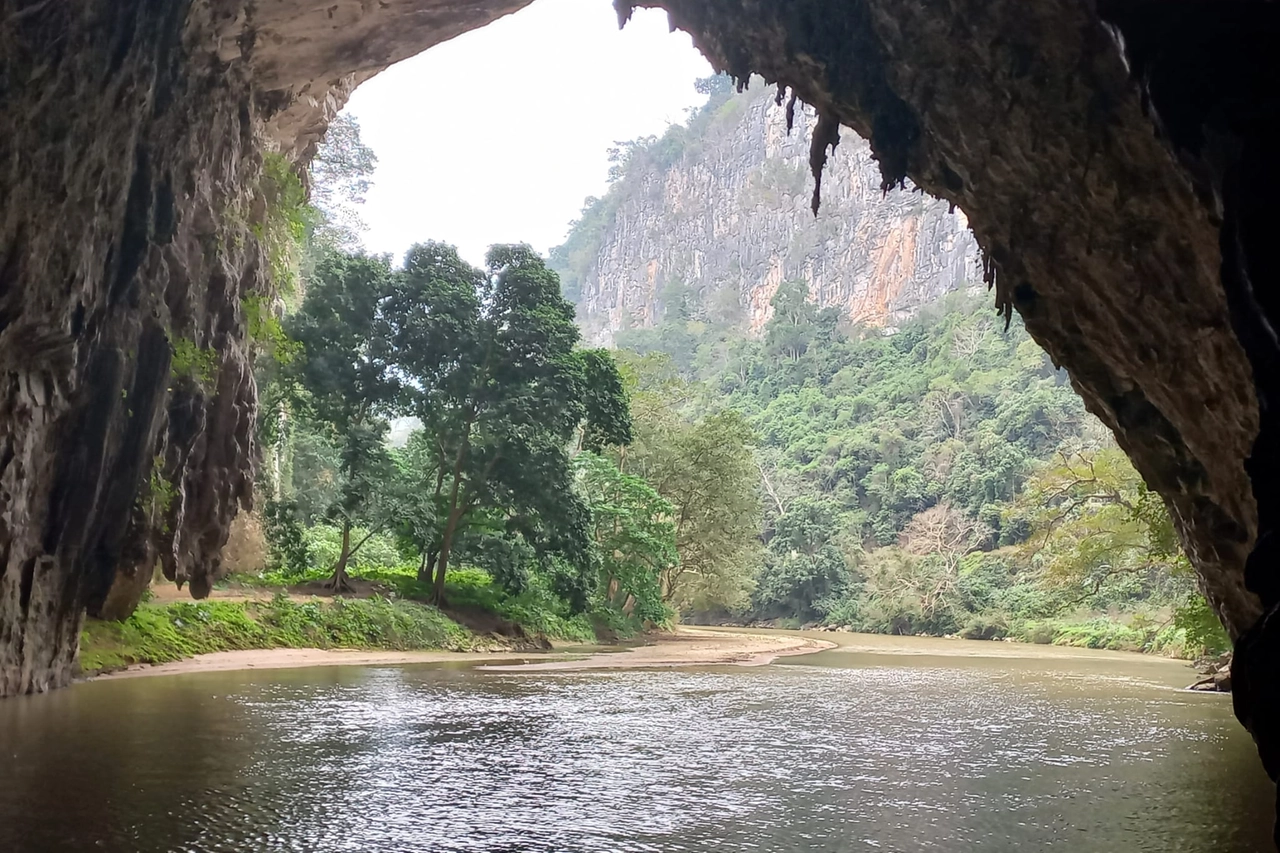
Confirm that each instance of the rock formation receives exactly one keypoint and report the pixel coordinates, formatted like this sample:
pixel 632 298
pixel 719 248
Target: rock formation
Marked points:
pixel 729 213
pixel 1114 159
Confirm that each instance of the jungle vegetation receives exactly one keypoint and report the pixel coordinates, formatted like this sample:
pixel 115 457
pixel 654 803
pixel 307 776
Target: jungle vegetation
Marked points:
pixel 440 430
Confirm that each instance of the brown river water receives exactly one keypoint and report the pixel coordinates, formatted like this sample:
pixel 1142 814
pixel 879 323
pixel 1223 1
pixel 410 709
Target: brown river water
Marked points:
pixel 883 744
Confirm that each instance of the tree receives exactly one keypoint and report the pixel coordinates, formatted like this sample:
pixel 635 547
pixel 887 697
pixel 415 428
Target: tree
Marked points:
pixel 491 368
pixel 344 379
pixel 802 571
pixel 340 178
pixel 942 535
pixel 706 470
pixel 632 528
pixel 779 483
pixel 1093 521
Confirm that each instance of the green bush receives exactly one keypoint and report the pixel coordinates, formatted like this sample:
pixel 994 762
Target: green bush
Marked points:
pixel 1034 631
pixel 1201 627
pixel 985 628
pixel 324 541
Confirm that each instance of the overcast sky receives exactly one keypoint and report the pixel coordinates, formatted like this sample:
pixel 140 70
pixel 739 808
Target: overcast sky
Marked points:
pixel 499 135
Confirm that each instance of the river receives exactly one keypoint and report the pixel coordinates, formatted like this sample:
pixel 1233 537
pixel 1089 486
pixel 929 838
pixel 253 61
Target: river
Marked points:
pixel 882 744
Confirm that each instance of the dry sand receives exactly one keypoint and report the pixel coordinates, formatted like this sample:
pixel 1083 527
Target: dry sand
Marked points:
pixel 688 647
pixel 684 647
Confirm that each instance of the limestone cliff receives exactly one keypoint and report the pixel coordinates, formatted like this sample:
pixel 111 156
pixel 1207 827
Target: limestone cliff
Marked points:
pixel 722 205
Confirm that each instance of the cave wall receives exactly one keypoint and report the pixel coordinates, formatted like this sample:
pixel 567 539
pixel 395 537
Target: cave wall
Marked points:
pixel 119 171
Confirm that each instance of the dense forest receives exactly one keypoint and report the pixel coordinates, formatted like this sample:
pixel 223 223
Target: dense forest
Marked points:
pixel 941 477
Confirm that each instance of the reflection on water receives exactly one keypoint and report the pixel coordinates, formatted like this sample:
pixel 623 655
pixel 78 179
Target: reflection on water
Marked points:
pixel 834 752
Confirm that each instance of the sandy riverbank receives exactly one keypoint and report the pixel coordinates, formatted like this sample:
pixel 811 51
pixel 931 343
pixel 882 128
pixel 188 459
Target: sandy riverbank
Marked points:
pixel 684 647
pixel 688 647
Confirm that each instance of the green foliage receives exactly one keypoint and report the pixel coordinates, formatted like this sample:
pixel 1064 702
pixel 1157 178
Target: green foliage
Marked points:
pixel 343 378
pixel 537 609
pixel 941 479
pixel 632 527
pixel 266 332
pixel 286 222
pixel 1097 530
pixel 288 551
pixel 703 466
pixel 192 362
pixel 493 375
pixel 160 492
pixel 164 633
pixel 1203 630
pixel 379 551
pixel 803 572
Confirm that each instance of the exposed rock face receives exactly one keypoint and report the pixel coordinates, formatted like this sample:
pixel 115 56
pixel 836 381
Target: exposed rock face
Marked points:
pixel 120 170
pixel 732 213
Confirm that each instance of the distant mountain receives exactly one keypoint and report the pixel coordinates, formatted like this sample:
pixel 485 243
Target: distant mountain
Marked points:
pixel 721 206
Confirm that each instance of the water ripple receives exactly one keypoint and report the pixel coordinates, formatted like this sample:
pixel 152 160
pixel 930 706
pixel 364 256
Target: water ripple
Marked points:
pixel 784 758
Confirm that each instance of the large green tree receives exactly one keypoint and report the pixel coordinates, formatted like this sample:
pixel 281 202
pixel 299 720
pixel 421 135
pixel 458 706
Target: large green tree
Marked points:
pixel 705 468
pixel 491 368
pixel 345 379
pixel 632 527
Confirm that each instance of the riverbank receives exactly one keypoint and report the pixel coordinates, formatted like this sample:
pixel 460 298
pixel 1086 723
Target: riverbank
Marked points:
pixel 168 632
pixel 688 647
pixel 682 647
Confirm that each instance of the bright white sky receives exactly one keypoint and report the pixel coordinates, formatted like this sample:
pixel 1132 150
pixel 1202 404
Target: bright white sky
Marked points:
pixel 499 135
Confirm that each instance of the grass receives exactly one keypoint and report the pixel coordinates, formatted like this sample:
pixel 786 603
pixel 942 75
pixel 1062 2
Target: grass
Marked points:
pixel 1104 633
pixel 536 610
pixel 402 621
pixel 159 633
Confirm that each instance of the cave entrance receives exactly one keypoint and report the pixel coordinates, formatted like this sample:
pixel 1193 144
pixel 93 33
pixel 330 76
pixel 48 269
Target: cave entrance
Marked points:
pixel 132 246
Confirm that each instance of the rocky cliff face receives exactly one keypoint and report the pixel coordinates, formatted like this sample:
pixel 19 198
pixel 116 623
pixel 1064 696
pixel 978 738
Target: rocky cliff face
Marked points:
pixel 723 206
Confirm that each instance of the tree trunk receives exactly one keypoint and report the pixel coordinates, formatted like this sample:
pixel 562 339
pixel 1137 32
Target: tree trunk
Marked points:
pixel 426 572
pixel 338 582
pixel 437 593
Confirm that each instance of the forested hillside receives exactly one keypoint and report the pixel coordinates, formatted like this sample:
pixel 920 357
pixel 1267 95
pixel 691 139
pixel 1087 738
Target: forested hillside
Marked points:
pixel 939 476
pixel 942 478
pixel 917 468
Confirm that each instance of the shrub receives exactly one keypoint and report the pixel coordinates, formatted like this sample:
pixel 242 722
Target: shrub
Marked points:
pixel 1202 629
pixel 985 628
pixel 159 634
